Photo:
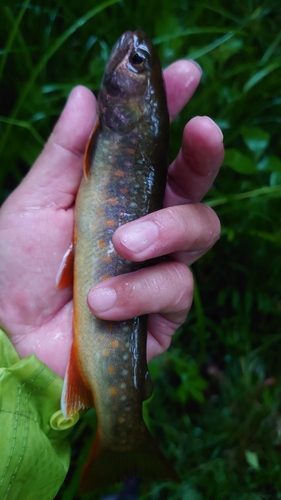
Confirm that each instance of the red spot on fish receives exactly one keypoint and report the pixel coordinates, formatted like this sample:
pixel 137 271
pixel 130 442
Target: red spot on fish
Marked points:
pixel 130 151
pixel 105 277
pixel 107 260
pixel 105 352
pixel 119 173
pixel 102 244
pixel 110 223
pixel 112 201
pixel 109 326
pixel 114 344
pixel 124 190
pixel 113 391
pixel 99 211
pixel 111 370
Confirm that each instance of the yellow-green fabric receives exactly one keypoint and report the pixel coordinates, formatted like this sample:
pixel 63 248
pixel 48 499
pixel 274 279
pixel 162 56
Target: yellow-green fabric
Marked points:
pixel 34 449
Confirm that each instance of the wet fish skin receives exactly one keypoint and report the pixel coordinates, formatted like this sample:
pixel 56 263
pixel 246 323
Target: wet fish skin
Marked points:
pixel 125 174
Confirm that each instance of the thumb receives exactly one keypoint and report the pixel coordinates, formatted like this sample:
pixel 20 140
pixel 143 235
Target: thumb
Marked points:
pixel 55 175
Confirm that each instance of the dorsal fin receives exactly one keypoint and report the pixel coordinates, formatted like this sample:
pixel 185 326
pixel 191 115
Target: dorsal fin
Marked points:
pixel 89 151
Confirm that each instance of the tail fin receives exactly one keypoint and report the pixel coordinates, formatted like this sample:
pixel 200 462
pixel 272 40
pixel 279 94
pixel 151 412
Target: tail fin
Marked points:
pixel 105 466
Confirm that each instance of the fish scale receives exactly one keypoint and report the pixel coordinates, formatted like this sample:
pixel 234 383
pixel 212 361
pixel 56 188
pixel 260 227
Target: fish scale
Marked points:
pixel 125 172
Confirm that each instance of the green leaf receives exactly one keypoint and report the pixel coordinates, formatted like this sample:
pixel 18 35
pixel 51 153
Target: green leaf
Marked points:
pixel 192 385
pixel 191 494
pixel 252 459
pixel 256 139
pixel 275 179
pixel 239 162
pixel 270 163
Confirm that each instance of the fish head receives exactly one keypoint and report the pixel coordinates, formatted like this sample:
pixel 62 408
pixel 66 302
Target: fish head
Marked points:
pixel 131 82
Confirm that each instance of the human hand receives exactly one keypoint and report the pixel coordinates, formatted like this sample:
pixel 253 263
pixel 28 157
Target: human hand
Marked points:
pixel 36 226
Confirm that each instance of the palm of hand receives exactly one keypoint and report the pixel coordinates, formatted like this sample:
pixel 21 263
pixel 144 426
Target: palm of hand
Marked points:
pixel 34 311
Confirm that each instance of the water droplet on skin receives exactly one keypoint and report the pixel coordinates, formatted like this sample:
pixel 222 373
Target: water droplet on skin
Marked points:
pixel 132 291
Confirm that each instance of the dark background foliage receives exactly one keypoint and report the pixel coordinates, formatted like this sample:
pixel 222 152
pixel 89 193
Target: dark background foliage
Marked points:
pixel 216 406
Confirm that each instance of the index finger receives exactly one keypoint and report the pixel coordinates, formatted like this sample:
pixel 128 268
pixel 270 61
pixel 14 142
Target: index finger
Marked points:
pixel 182 79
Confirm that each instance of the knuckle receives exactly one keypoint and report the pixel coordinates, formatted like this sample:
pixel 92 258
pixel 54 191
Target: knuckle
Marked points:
pixel 183 287
pixel 213 224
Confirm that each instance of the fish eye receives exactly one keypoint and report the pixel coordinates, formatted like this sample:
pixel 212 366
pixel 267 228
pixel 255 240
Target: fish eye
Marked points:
pixel 138 61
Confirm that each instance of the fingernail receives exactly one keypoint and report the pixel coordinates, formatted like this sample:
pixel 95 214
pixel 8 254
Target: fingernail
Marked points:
pixel 102 299
pixel 218 128
pixel 139 236
pixel 196 64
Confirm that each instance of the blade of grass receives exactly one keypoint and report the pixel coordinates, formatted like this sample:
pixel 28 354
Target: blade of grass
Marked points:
pixel 12 36
pixel 257 77
pixel 211 46
pixel 272 339
pixel 264 191
pixel 226 14
pixel 200 322
pixel 274 238
pixel 23 124
pixel 25 49
pixel 45 58
pixel 270 50
pixel 190 31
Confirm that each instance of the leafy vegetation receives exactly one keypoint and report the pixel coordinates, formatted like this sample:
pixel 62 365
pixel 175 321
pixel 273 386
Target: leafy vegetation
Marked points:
pixel 216 407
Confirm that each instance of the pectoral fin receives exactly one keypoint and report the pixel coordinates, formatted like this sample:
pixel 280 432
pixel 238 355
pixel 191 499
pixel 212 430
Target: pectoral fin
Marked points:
pixel 65 273
pixel 89 151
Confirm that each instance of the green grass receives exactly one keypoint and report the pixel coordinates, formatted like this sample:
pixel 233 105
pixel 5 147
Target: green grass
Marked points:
pixel 216 407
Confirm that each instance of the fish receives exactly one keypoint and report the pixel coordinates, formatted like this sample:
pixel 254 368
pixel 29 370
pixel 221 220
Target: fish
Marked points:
pixel 125 169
